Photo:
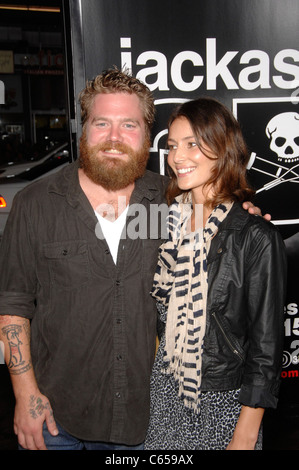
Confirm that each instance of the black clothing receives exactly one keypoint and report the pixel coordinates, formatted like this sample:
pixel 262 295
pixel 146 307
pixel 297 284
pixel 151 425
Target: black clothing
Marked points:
pixel 244 335
pixel 245 312
pixel 93 322
pixel 243 343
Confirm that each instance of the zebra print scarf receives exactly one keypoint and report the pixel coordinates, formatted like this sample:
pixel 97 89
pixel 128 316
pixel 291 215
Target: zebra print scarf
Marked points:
pixel 181 284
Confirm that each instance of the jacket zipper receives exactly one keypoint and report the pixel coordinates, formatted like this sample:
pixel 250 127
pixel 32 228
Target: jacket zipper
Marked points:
pixel 228 340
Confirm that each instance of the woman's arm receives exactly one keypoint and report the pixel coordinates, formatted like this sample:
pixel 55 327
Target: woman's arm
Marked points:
pixel 247 429
pixel 32 408
pixel 266 285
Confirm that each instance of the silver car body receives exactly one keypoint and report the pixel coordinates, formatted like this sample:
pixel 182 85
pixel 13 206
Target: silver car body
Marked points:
pixel 15 177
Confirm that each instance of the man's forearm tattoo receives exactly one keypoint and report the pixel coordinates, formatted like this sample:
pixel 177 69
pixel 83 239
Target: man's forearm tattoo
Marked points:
pixel 16 362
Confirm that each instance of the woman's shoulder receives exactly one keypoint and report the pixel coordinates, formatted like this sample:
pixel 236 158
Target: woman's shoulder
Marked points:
pixel 251 226
pixel 240 217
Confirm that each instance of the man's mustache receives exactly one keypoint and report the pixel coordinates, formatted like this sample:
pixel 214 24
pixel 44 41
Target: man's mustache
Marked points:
pixel 106 146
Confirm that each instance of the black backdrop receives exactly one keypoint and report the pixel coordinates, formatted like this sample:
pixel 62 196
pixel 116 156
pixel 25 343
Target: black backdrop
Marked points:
pixel 243 52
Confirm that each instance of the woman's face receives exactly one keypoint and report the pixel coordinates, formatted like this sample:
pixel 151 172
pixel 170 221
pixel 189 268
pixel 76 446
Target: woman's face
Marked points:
pixel 191 167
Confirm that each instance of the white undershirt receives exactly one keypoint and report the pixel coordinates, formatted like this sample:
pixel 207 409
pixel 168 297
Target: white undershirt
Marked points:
pixel 112 231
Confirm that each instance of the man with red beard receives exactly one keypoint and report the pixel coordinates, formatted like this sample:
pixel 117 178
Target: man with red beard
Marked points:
pixel 77 298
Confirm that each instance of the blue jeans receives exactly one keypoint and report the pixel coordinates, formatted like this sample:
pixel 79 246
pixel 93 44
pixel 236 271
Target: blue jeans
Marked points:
pixel 64 441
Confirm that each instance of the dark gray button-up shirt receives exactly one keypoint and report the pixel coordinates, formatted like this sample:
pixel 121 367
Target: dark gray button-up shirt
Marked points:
pixel 93 322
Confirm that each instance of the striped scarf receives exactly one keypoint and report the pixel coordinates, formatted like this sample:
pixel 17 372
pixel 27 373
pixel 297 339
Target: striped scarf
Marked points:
pixel 181 284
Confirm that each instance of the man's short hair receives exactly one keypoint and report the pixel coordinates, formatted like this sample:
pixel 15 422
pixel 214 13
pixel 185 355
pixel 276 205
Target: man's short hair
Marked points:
pixel 117 81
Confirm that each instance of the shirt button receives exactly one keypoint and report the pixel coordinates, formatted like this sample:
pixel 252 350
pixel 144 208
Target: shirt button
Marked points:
pixel 219 251
pixel 118 321
pixel 119 357
pixel 64 252
pixel 117 394
pixel 118 283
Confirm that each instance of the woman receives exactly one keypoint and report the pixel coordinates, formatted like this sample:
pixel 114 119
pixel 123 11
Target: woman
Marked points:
pixel 220 293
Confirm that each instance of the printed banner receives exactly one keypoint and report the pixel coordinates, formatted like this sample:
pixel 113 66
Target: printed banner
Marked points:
pixel 244 53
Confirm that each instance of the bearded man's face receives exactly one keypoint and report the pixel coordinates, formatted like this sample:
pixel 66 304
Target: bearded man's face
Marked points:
pixel 113 172
pixel 114 148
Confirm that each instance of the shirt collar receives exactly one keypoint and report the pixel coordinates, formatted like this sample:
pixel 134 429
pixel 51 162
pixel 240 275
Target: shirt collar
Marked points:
pixel 67 184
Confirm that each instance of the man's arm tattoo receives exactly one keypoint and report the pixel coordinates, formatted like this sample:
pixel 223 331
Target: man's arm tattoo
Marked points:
pixel 16 362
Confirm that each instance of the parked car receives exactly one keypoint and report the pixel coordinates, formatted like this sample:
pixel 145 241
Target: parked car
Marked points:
pixel 15 176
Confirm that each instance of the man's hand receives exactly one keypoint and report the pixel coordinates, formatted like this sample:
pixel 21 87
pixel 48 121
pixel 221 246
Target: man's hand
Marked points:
pixel 32 408
pixel 30 414
pixel 248 206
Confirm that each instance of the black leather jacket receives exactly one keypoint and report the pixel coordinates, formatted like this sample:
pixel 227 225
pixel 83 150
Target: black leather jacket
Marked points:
pixel 244 333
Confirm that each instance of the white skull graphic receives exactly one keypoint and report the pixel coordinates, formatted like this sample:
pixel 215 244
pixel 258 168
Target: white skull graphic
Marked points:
pixel 283 130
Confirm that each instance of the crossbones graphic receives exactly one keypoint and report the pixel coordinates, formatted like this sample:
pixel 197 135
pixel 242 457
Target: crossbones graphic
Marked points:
pixel 283 132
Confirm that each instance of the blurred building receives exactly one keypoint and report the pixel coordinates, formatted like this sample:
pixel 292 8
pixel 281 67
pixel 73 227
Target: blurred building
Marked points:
pixel 33 103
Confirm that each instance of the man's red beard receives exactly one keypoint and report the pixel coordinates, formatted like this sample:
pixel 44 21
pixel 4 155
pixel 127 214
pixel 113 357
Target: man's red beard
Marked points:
pixel 113 173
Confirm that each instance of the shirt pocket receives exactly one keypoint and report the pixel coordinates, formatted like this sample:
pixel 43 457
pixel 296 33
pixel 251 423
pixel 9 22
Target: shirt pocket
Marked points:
pixel 68 263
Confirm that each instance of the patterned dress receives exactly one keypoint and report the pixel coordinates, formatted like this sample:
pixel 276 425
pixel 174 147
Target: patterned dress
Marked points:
pixel 173 426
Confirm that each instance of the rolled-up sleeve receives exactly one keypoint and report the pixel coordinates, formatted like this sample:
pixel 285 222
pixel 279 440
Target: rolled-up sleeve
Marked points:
pixel 18 279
